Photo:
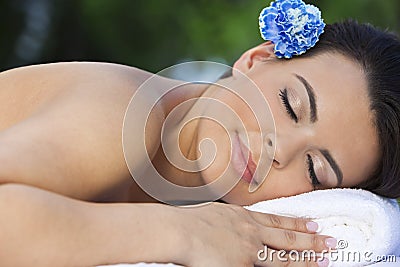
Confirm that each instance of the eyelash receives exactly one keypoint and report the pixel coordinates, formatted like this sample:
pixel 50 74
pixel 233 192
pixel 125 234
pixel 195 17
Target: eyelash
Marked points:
pixel 311 172
pixel 310 165
pixel 285 101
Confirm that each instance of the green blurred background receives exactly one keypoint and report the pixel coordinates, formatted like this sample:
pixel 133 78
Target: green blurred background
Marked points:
pixel 151 34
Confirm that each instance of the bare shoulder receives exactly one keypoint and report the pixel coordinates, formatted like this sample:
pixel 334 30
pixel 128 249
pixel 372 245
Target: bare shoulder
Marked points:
pixel 61 125
pixel 81 70
pixel 60 69
pixel 24 90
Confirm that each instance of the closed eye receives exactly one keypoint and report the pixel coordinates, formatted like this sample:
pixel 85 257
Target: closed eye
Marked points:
pixel 310 166
pixel 285 101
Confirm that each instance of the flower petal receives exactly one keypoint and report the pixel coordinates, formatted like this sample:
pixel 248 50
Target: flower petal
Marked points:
pixel 293 26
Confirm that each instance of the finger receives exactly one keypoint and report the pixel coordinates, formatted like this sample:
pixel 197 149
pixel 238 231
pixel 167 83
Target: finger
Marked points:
pixel 280 258
pixel 283 222
pixel 291 240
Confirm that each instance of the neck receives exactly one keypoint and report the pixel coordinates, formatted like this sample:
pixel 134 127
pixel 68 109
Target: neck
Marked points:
pixel 184 130
pixel 177 106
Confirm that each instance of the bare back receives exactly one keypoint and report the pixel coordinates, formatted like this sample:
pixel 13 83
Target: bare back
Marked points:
pixel 61 126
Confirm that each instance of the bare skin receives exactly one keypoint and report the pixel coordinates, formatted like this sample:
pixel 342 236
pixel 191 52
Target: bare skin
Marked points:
pixel 343 125
pixel 60 143
pixel 48 96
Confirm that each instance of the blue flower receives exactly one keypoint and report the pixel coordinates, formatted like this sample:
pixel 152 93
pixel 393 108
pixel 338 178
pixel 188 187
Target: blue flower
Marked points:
pixel 293 26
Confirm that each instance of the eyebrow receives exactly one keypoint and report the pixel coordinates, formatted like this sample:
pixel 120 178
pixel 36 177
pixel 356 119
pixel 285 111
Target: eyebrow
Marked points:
pixel 311 97
pixel 334 165
pixel 313 118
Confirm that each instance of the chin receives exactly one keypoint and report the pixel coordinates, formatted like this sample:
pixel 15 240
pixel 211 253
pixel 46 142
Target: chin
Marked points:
pixel 240 195
pixel 236 195
pixel 237 200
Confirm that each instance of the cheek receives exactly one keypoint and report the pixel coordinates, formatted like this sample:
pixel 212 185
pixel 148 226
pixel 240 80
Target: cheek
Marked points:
pixel 271 94
pixel 245 111
pixel 278 111
pixel 216 134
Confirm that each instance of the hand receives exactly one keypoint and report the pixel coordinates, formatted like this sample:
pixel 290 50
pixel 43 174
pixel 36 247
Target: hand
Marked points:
pixel 229 235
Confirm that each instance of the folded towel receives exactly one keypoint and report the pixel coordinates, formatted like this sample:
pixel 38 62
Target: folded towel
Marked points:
pixel 366 226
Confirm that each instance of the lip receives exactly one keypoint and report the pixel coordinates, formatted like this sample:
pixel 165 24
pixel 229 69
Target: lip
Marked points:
pixel 243 167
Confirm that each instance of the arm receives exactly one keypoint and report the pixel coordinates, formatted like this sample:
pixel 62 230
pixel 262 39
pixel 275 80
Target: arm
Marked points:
pixel 48 229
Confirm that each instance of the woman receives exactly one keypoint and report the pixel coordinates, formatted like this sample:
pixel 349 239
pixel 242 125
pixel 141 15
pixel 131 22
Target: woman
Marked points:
pixel 336 111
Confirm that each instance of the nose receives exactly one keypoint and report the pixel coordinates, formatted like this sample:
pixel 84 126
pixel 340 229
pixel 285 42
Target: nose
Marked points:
pixel 283 148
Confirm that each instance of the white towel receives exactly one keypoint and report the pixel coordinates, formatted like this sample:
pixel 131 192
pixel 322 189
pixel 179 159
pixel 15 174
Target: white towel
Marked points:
pixel 367 226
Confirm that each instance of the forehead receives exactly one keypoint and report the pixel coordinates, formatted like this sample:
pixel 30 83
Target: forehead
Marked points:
pixel 345 125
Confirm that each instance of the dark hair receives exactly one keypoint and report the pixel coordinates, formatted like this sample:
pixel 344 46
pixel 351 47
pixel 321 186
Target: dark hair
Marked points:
pixel 378 53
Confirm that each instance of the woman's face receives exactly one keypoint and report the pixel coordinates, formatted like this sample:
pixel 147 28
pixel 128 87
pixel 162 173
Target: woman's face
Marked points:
pixel 324 135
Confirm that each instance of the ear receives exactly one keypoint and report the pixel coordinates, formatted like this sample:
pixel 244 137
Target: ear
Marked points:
pixel 262 52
